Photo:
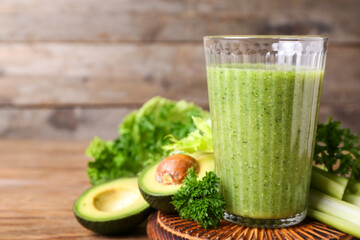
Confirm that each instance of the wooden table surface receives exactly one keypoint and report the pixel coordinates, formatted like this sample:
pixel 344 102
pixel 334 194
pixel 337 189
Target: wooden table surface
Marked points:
pixel 39 182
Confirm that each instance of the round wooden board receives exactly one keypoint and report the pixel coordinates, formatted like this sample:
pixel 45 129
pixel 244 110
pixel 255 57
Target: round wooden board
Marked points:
pixel 171 227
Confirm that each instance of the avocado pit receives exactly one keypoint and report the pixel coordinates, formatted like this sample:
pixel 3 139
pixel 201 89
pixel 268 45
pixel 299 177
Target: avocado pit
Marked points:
pixel 172 170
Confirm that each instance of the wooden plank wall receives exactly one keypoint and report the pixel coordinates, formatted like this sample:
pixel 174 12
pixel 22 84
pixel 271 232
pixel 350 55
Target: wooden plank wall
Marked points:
pixel 72 69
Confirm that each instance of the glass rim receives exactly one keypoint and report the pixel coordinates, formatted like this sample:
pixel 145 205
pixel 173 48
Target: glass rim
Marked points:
pixel 275 37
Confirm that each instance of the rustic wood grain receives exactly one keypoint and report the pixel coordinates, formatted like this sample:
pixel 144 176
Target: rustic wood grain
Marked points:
pixel 83 123
pixel 124 74
pixel 61 123
pixel 39 182
pixel 166 20
pixel 62 57
pixel 59 73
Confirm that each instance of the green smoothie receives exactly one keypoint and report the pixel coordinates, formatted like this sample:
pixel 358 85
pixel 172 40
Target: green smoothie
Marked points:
pixel 264 125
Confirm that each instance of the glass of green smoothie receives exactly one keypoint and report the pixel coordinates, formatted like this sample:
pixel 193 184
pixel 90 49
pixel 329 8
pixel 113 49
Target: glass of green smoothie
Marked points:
pixel 264 94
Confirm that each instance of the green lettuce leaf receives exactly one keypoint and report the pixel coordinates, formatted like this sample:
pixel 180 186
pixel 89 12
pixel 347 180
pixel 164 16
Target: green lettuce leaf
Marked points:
pixel 198 140
pixel 141 137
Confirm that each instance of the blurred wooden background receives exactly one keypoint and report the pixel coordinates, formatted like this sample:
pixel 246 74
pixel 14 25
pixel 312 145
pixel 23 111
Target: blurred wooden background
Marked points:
pixel 72 69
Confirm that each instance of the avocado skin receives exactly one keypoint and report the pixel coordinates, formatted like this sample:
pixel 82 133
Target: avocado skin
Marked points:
pixel 162 203
pixel 116 226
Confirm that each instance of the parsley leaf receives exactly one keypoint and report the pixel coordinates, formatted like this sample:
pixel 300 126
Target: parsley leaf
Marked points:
pixel 335 145
pixel 200 201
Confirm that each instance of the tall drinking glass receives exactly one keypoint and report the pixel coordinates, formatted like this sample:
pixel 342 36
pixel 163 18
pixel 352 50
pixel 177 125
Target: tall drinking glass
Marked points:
pixel 264 94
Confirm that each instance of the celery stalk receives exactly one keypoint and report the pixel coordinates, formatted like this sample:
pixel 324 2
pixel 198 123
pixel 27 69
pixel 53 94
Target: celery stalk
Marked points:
pixel 320 180
pixel 343 181
pixel 335 207
pixel 348 227
pixel 352 198
pixel 354 187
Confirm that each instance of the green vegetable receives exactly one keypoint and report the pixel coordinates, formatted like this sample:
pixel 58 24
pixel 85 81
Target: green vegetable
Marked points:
pixel 326 206
pixel 142 135
pixel 200 201
pixel 335 207
pixel 198 140
pixel 114 207
pixel 340 224
pixel 352 194
pixel 343 181
pixel 334 212
pixel 352 198
pixel 354 187
pixel 338 145
pixel 328 183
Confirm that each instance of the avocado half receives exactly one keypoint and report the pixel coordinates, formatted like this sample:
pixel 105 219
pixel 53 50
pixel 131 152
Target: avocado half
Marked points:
pixel 159 195
pixel 112 207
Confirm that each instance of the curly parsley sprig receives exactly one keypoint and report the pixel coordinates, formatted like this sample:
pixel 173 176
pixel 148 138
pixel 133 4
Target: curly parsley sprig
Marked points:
pixel 200 201
pixel 338 145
